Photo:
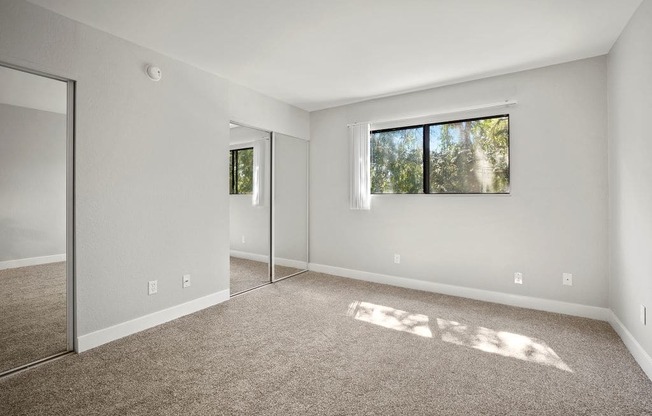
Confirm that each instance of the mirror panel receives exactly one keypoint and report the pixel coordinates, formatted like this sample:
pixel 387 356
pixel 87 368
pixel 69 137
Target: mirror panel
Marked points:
pixel 249 184
pixel 33 218
pixel 290 208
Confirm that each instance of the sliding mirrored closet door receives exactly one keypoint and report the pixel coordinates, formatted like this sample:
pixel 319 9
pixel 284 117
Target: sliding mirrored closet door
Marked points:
pixel 249 204
pixel 35 218
pixel 289 206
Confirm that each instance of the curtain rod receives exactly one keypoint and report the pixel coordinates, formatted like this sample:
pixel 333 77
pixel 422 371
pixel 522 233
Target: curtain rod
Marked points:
pixel 506 103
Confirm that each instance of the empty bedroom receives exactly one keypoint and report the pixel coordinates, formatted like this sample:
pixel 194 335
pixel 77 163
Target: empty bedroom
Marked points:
pixel 298 207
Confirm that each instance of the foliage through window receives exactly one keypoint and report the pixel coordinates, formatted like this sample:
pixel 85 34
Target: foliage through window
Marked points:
pixel 241 168
pixel 457 157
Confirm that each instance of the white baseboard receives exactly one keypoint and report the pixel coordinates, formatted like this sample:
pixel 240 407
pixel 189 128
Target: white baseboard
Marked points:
pixel 291 263
pixel 249 256
pixel 32 261
pixel 528 302
pixel 640 355
pixel 112 333
pixel 264 259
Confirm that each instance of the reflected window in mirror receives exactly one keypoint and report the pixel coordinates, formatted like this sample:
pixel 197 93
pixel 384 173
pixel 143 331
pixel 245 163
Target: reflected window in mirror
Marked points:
pixel 241 168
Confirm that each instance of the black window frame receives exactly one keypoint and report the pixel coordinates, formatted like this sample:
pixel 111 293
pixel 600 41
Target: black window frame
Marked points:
pixel 426 155
pixel 233 182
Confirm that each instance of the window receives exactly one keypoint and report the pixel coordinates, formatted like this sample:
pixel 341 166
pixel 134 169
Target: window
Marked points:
pixel 456 157
pixel 241 168
pixel 397 161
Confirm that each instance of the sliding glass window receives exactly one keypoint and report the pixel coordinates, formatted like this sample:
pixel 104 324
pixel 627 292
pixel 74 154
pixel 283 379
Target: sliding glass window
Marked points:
pixel 455 157
pixel 397 161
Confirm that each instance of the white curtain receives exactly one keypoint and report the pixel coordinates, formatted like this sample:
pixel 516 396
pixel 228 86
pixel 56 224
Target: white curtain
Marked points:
pixel 360 197
pixel 259 174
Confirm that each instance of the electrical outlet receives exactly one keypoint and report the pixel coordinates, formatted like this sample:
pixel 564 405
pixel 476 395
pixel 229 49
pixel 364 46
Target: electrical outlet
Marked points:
pixel 152 287
pixel 243 240
pixel 518 278
pixel 643 315
pixel 567 279
pixel 397 258
pixel 186 281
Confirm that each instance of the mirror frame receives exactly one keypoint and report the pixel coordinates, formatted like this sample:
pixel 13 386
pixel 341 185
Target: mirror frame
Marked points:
pixel 71 288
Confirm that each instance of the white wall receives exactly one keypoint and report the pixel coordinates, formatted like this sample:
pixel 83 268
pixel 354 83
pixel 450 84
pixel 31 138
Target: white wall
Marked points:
pixel 23 89
pixel 151 194
pixel 630 146
pixel 250 222
pixel 253 109
pixel 32 183
pixel 554 221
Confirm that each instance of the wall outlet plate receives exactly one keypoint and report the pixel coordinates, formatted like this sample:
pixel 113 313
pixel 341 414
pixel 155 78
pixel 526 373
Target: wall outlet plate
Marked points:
pixel 186 281
pixel 397 258
pixel 518 278
pixel 152 287
pixel 567 279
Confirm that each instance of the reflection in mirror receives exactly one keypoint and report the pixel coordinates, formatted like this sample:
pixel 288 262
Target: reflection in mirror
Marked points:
pixel 249 183
pixel 33 277
pixel 290 206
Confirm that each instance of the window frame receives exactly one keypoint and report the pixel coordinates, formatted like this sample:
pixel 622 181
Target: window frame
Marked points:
pixel 233 182
pixel 426 154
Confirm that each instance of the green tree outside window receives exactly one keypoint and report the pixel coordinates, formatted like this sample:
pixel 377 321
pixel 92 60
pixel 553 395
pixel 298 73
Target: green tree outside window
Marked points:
pixel 241 168
pixel 468 156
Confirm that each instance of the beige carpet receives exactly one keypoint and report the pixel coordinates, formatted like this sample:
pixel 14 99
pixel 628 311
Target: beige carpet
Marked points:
pixel 284 271
pixel 32 313
pixel 247 274
pixel 321 345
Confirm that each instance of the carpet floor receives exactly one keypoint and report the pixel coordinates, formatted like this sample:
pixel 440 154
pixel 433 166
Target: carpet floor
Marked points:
pixel 32 313
pixel 323 345
pixel 247 274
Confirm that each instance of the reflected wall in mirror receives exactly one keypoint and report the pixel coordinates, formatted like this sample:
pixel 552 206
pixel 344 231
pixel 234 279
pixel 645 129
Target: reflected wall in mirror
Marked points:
pixel 33 218
pixel 249 184
pixel 290 208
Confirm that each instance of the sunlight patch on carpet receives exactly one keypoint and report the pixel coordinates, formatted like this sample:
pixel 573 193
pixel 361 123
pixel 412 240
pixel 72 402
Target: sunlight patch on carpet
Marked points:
pixel 391 318
pixel 502 343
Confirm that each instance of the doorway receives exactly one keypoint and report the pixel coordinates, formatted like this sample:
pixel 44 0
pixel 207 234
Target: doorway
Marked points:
pixel 36 217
